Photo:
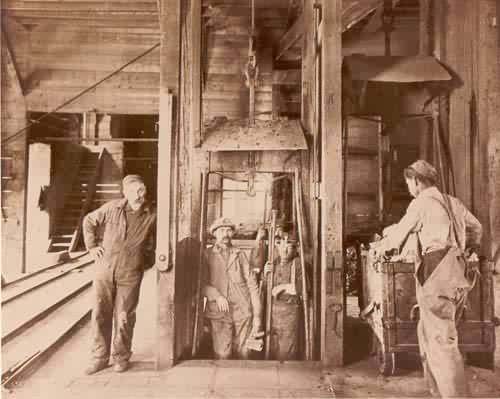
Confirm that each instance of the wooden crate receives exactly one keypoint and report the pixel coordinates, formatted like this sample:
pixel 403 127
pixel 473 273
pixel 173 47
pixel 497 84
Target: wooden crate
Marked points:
pixel 389 296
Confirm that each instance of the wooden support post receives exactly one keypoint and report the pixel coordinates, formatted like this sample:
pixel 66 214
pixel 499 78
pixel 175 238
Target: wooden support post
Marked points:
pixel 195 121
pixel 426 25
pixel 308 115
pixel 165 246
pixel 332 268
pixel 90 125
pixel 487 149
pixel 194 181
pixel 493 153
pixel 426 45
pixel 195 113
pixel 14 155
pixel 458 57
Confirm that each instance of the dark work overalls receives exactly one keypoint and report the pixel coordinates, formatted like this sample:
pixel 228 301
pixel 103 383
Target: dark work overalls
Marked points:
pixel 128 239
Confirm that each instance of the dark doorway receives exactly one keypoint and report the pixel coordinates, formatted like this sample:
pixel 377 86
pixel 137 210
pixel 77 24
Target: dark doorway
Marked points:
pixel 139 157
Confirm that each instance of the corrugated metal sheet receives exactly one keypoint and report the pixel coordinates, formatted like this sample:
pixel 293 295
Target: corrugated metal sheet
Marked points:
pixel 396 69
pixel 236 135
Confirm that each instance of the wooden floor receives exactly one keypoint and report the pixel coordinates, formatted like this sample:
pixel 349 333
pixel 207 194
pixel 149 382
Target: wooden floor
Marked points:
pixel 62 375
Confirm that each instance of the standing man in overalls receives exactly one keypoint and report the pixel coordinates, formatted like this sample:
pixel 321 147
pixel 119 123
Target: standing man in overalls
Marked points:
pixel 233 303
pixel 445 228
pixel 127 248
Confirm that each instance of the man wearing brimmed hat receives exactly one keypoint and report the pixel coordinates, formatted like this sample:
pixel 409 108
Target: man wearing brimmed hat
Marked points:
pixel 444 228
pixel 127 248
pixel 287 302
pixel 233 302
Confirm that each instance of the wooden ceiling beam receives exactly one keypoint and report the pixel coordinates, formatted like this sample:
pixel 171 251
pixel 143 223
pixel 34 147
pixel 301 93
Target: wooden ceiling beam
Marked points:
pixel 131 22
pixel 63 6
pixel 290 38
pixel 88 14
pixel 283 4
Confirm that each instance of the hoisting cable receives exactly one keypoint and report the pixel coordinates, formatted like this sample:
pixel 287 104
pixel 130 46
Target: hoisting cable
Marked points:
pixel 74 98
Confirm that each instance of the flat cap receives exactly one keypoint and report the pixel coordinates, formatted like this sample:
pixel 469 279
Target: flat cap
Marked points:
pixel 221 222
pixel 131 179
pixel 425 169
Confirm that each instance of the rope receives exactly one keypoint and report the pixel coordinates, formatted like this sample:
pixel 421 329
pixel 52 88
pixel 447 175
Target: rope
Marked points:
pixel 74 98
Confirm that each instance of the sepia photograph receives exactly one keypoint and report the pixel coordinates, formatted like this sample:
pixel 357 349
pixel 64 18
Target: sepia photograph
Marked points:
pixel 250 199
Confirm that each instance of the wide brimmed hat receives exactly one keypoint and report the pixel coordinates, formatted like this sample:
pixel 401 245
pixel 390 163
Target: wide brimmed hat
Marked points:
pixel 221 222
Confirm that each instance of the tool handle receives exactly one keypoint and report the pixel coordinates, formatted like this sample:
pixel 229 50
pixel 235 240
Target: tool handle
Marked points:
pixel 270 278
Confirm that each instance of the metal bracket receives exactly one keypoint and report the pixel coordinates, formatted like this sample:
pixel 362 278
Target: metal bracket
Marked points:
pixel 336 308
pixel 316 190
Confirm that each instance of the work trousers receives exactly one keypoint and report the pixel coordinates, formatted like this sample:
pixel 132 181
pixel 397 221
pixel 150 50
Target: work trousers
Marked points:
pixel 116 295
pixel 230 337
pixel 285 330
pixel 440 299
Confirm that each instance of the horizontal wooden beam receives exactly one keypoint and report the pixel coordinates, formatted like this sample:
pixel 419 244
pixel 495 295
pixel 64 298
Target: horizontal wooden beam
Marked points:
pixel 93 139
pixel 290 38
pixel 130 21
pixel 63 6
pixel 283 4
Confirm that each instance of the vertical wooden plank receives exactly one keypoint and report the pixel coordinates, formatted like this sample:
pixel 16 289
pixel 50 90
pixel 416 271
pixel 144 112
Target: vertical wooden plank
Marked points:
pixel 332 286
pixel 494 156
pixel 13 199
pixel 169 90
pixel 487 165
pixel 192 189
pixel 458 57
pixel 426 25
pixel 195 123
pixel 316 178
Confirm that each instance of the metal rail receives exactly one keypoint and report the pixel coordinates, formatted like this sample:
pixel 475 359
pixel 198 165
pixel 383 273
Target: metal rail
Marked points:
pixel 29 363
pixel 51 326
pixel 37 272
pixel 6 298
pixel 39 316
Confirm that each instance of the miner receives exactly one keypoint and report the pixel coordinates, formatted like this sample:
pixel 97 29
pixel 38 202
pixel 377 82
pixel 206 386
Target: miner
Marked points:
pixel 233 304
pixel 127 248
pixel 446 232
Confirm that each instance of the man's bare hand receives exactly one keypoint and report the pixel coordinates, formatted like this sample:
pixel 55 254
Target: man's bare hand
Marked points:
pixel 222 304
pixel 96 253
pixel 287 288
pixel 261 234
pixel 256 331
pixel 268 267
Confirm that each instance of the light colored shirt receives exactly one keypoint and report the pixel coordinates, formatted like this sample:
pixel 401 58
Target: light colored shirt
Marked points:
pixel 427 216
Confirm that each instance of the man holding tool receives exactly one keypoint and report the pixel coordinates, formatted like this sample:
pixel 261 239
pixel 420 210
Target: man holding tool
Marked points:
pixel 233 305
pixel 286 304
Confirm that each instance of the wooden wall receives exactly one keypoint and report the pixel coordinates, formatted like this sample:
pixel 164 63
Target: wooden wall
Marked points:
pixel 467 41
pixel 64 47
pixel 226 53
pixel 13 168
